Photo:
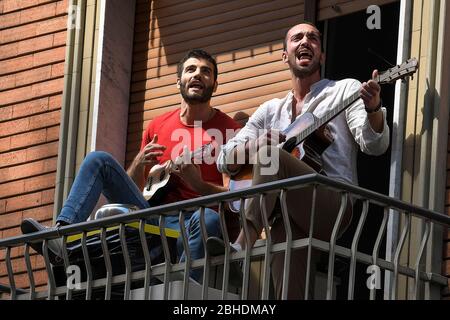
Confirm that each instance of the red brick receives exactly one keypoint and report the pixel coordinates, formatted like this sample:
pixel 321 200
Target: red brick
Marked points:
pixel 12 232
pixel 12 188
pixel 40 182
pixel 28 15
pixel 53 55
pixel 10 220
pixel 27 185
pixel 31 123
pixel 23 202
pixel 59 38
pixel 16 64
pixel 27 46
pixel 48 196
pixel 19 265
pixel 61 7
pixel 37 90
pixel 14 5
pixel 28 139
pixel 21 280
pixel 33 29
pixel 7 82
pixel 6 113
pixel 44 213
pixel 30 107
pixel 43 151
pixel 34 75
pixel 5 144
pixel 28 170
pixel 49 56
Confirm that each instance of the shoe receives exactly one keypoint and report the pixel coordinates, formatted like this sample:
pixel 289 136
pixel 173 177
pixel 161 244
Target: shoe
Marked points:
pixel 30 225
pixel 216 247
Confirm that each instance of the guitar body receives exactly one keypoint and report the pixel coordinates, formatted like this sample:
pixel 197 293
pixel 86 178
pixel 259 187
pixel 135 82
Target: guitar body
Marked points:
pixel 158 177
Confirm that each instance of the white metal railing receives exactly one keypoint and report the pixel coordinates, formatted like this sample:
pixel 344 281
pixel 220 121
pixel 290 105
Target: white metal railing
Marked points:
pixel 123 257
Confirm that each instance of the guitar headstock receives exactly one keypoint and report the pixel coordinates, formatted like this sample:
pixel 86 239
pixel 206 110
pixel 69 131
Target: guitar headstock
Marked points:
pixel 406 69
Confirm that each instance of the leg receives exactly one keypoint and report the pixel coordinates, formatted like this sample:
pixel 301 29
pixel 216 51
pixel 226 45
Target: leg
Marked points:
pixel 99 173
pixel 299 204
pixel 195 241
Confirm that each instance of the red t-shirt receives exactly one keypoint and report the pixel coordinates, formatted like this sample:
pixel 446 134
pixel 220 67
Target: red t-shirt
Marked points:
pixel 173 134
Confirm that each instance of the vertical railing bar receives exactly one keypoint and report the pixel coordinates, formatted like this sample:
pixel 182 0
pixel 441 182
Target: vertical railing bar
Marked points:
pixel 87 262
pixel 334 235
pixel 419 258
pixel 204 234
pixel 247 249
pixel 311 232
pixel 9 268
pixel 397 255
pixel 48 267
pixel 165 245
pixel 287 253
pixel 354 249
pixel 376 247
pixel 30 271
pixel 267 254
pixel 226 261
pixel 108 265
pixel 66 265
pixel 126 257
pixel 187 254
pixel 147 258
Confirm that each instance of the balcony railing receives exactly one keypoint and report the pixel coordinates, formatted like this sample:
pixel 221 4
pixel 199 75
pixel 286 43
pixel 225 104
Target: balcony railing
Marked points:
pixel 107 250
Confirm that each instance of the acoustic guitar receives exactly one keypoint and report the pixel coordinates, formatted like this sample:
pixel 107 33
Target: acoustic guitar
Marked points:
pixel 159 175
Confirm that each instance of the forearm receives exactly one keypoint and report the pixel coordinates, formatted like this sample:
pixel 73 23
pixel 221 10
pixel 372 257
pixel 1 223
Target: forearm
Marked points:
pixel 205 188
pixel 136 172
pixel 239 156
pixel 376 121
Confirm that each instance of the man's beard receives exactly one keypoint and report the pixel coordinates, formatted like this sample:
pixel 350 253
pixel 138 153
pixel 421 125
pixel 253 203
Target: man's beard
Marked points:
pixel 195 98
pixel 306 71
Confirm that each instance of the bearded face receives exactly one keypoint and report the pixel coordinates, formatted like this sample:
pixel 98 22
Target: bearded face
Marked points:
pixel 197 83
pixel 195 91
pixel 303 51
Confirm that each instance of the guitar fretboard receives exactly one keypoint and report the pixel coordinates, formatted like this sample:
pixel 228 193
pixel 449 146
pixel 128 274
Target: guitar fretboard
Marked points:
pixel 328 116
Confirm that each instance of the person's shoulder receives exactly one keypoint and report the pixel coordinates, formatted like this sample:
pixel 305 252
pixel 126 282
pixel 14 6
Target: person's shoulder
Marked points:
pixel 348 82
pixel 225 120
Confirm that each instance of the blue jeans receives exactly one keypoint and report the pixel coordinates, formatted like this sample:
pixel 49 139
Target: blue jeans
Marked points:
pixel 101 173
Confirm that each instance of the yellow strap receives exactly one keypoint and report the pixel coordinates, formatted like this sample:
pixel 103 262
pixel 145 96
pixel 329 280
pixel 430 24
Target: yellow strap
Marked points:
pixel 149 228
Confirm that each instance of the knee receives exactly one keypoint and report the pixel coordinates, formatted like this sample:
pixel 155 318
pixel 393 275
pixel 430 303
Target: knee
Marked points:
pixel 98 157
pixel 212 221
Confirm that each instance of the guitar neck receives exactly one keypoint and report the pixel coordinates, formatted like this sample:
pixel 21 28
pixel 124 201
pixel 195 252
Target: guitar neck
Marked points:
pixel 328 116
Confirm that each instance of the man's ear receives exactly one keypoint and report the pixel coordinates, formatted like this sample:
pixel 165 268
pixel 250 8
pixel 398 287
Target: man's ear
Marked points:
pixel 178 83
pixel 284 56
pixel 215 86
pixel 322 59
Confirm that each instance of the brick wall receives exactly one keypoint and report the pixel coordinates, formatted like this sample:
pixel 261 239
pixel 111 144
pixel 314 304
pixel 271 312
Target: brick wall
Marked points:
pixel 32 52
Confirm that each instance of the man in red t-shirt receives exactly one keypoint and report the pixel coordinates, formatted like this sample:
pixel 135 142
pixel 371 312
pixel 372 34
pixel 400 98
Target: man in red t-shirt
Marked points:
pixel 195 124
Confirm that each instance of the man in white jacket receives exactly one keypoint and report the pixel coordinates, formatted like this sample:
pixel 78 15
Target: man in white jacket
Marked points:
pixel 362 125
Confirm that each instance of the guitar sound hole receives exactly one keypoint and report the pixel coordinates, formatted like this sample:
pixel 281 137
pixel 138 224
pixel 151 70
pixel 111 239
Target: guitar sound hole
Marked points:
pixel 149 184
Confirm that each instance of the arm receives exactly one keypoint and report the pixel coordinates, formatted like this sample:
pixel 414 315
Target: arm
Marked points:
pixel 191 174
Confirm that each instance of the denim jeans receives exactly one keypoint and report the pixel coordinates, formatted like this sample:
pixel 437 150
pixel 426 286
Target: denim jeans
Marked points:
pixel 101 173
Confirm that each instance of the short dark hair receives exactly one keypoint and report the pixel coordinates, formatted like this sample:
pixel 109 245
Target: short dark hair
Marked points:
pixel 199 54
pixel 301 22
